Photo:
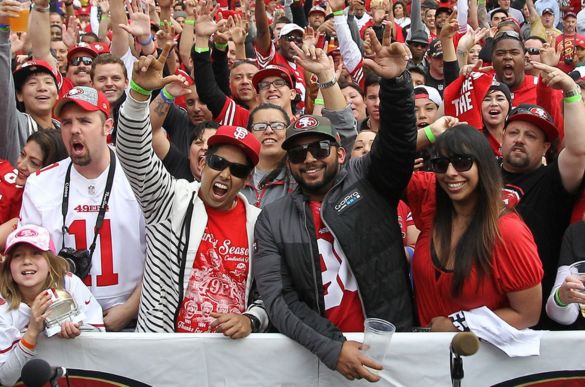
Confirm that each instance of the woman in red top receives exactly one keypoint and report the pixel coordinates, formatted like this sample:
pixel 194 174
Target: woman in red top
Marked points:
pixel 471 251
pixel 42 148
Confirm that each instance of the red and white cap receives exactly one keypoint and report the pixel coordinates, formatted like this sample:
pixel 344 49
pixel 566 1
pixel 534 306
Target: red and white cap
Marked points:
pixel 33 235
pixel 580 43
pixel 273 71
pixel 30 67
pixel 83 11
pixel 238 136
pixel 318 9
pixel 288 28
pixel 84 47
pixel 85 97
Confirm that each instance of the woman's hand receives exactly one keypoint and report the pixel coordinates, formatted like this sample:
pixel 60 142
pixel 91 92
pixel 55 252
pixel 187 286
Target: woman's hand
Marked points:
pixel 69 330
pixel 442 324
pixel 38 309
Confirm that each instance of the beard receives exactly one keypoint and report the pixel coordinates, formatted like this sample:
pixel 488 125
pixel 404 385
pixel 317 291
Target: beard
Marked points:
pixel 321 186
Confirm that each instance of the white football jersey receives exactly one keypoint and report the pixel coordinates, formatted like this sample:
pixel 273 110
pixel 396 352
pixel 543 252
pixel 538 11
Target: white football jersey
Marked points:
pixel 118 259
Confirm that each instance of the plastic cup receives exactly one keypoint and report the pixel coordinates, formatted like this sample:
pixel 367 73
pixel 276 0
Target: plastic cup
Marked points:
pixel 20 23
pixel 377 337
pixel 578 269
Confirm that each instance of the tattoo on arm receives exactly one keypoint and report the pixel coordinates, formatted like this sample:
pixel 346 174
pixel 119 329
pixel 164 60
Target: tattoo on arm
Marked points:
pixel 160 107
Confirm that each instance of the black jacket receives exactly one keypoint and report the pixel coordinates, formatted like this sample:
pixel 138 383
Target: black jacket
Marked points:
pixel 360 211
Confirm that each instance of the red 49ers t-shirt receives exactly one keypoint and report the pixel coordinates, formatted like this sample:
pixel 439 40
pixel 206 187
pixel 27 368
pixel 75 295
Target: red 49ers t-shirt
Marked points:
pixel 10 193
pixel 342 304
pixel 218 280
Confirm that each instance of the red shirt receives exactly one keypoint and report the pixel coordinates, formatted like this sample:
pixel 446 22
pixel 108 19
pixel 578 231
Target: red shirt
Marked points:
pixel 218 280
pixel 567 50
pixel 404 220
pixel 340 291
pixel 10 193
pixel 515 262
pixel 233 114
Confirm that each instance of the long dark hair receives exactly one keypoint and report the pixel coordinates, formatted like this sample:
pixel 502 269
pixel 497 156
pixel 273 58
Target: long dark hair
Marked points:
pixel 476 245
pixel 51 143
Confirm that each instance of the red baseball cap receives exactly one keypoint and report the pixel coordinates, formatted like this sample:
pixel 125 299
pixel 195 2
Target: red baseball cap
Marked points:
pixel 273 71
pixel 567 14
pixel 580 43
pixel 537 116
pixel 82 47
pixel 85 97
pixel 238 136
pixel 100 47
pixel 30 67
pixel 83 11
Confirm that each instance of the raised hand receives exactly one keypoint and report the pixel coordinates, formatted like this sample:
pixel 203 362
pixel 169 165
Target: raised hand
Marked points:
pixel 148 70
pixel 139 23
pixel 337 5
pixel 204 14
pixel 222 35
pixel 71 32
pixel 312 59
pixel 548 54
pixel 178 88
pixel 238 29
pixel 467 40
pixel 18 43
pixel 41 3
pixel 555 77
pixel 477 67
pixel 104 6
pixel 450 27
pixel 165 33
pixel 166 3
pixel 310 37
pixel 390 58
pixel 8 8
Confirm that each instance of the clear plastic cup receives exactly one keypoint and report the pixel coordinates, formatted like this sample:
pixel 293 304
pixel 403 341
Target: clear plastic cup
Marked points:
pixel 20 23
pixel 578 269
pixel 377 337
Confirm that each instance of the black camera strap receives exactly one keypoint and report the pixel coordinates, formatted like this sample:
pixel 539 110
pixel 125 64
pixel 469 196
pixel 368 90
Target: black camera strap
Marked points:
pixel 104 204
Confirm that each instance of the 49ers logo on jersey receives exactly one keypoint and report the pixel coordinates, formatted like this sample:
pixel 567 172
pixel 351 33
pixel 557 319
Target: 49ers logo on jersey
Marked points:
pixel 511 196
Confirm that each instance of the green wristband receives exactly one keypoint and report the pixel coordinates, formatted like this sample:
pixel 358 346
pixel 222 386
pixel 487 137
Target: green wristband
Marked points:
pixel 189 22
pixel 338 13
pixel 429 133
pixel 221 46
pixel 319 102
pixel 572 99
pixel 167 95
pixel 200 50
pixel 139 89
pixel 558 299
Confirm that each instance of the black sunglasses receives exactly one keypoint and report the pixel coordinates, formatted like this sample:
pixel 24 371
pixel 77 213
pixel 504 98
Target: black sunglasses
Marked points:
pixel 533 51
pixel 294 38
pixel 85 59
pixel 319 150
pixel 219 164
pixel 461 163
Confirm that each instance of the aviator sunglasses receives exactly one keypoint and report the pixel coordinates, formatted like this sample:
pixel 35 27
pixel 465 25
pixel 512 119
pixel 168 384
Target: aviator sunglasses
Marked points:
pixel 461 163
pixel 319 150
pixel 219 164
pixel 85 59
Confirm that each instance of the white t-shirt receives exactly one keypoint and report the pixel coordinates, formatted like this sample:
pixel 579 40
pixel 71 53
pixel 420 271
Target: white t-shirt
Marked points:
pixel 118 259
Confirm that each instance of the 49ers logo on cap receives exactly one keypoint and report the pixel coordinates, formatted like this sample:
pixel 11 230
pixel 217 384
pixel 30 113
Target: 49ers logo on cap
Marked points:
pixel 240 133
pixel 27 232
pixel 74 91
pixel 540 112
pixel 306 123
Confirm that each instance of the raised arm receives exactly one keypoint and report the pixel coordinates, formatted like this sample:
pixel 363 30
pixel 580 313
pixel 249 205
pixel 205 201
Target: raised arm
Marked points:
pixel 572 158
pixel 392 155
pixel 119 45
pixel 263 40
pixel 39 32
pixel 350 52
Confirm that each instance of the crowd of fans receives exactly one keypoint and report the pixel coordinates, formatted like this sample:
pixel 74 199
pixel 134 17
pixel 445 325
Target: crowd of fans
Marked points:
pixel 296 167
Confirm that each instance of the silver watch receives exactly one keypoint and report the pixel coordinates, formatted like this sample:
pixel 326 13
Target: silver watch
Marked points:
pixel 327 84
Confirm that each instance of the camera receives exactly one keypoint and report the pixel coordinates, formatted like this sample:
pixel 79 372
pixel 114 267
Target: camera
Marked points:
pixel 568 61
pixel 79 261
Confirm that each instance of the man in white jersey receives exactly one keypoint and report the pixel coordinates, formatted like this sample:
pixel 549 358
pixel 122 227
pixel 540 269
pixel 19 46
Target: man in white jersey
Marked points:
pixel 71 215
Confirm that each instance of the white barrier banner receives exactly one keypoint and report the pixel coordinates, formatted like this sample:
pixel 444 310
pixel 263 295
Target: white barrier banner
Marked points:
pixel 416 359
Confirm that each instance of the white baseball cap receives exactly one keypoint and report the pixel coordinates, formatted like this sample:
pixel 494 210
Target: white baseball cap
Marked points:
pixel 33 235
pixel 288 28
pixel 433 94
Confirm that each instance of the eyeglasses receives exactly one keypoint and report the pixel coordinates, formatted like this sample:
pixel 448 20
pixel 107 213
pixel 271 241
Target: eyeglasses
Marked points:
pixel 87 60
pixel 294 38
pixel 219 164
pixel 507 34
pixel 277 83
pixel 262 126
pixel 461 163
pixel 533 51
pixel 319 150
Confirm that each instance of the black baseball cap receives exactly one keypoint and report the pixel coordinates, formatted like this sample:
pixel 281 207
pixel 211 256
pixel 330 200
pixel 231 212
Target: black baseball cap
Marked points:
pixel 309 124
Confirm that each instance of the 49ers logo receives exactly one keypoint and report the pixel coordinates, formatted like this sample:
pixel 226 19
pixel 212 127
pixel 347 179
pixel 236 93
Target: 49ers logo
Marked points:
pixel 27 232
pixel 306 122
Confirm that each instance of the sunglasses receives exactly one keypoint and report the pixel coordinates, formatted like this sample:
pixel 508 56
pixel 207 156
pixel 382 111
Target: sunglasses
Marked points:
pixel 533 51
pixel 461 163
pixel 319 150
pixel 294 38
pixel 262 126
pixel 85 59
pixel 507 34
pixel 219 164
pixel 278 83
